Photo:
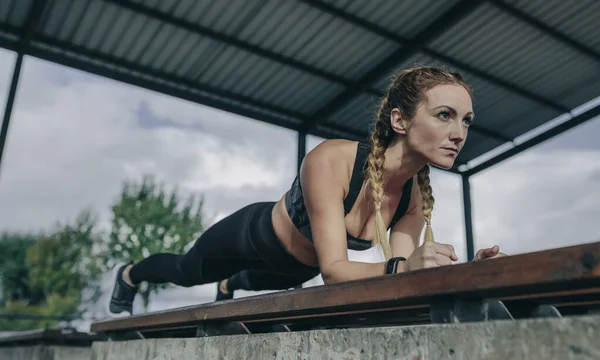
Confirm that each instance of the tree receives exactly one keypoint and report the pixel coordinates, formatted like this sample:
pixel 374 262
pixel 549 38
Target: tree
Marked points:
pixel 147 219
pixel 13 271
pixel 59 275
pixel 63 263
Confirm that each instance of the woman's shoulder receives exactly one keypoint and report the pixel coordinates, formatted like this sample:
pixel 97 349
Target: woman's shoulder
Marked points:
pixel 333 149
pixel 333 157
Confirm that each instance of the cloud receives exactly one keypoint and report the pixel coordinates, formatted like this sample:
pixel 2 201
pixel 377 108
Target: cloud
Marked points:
pixel 540 200
pixel 72 143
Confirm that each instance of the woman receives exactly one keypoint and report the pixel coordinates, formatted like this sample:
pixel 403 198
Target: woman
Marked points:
pixel 347 192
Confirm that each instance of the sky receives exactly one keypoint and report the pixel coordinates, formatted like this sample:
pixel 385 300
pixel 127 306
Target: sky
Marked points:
pixel 75 137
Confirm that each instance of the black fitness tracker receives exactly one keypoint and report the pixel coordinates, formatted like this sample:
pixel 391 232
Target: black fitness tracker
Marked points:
pixel 392 264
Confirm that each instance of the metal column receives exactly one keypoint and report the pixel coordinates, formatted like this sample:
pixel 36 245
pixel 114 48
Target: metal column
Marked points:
pixel 468 220
pixel 301 148
pixel 9 103
pixel 31 23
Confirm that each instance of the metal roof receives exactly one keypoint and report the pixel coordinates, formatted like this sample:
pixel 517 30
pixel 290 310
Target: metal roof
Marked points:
pixel 319 66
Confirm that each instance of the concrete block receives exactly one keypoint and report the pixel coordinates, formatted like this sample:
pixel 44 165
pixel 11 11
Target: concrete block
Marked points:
pixel 567 338
pixel 45 352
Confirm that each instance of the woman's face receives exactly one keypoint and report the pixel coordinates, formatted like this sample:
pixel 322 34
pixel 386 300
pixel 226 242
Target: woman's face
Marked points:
pixel 439 129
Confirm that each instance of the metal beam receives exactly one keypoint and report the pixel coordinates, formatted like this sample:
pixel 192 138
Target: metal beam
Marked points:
pixel 135 80
pixel 205 31
pixel 175 91
pixel 301 148
pixel 466 189
pixel 577 120
pixel 33 17
pixel 9 103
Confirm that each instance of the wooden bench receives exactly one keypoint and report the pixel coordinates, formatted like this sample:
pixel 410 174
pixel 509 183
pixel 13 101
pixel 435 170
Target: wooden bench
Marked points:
pixel 544 283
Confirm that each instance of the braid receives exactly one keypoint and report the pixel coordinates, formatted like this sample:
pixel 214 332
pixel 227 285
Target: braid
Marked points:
pixel 375 175
pixel 428 200
pixel 380 139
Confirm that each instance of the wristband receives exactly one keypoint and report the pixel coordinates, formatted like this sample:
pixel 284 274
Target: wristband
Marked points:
pixel 392 264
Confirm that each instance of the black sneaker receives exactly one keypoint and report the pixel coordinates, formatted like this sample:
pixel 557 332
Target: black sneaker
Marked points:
pixel 221 295
pixel 121 301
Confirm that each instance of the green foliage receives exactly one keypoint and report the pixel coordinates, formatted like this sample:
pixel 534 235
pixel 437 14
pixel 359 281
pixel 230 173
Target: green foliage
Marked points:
pixel 61 262
pixel 13 271
pixel 56 306
pixel 55 271
pixel 147 219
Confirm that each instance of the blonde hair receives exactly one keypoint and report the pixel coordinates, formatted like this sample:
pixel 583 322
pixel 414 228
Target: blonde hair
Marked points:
pixel 406 91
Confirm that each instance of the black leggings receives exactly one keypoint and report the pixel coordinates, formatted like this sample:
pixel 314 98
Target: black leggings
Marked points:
pixel 242 248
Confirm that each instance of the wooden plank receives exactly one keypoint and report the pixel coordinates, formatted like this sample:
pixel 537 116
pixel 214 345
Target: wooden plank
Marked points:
pixel 555 270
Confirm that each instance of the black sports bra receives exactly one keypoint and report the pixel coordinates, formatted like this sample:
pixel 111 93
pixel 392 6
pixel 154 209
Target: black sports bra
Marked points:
pixel 296 209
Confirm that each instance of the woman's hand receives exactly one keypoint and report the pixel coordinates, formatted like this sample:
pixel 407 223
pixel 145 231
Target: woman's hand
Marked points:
pixel 430 254
pixel 489 253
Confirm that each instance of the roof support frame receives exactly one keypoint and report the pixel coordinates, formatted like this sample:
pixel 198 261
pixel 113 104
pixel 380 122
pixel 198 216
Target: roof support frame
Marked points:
pixel 410 46
pixel 36 51
pixel 232 41
pixel 414 45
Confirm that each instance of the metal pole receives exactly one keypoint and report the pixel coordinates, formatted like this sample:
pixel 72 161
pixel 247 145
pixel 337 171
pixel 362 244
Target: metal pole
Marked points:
pixel 301 148
pixel 9 103
pixel 468 220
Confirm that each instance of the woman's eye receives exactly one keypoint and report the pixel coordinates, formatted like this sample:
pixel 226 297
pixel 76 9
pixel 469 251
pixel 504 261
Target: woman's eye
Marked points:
pixel 468 121
pixel 445 115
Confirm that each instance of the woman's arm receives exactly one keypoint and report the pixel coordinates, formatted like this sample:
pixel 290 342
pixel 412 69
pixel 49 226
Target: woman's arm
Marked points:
pixel 322 176
pixel 406 235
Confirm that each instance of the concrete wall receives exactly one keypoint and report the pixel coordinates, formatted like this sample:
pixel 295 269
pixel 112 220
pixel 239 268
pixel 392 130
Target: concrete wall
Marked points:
pixel 543 339
pixel 43 352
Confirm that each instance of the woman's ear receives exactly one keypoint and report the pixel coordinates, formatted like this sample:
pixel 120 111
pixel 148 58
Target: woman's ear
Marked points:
pixel 398 124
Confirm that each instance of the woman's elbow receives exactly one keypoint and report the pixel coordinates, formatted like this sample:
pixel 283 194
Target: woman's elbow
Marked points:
pixel 331 273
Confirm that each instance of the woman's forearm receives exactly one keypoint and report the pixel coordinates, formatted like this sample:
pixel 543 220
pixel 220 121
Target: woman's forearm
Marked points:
pixel 342 271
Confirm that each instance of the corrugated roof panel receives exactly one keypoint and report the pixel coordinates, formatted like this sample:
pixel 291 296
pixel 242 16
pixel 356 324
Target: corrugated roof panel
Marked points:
pixel 311 36
pixel 417 59
pixel 6 9
pixel 405 18
pixel 86 23
pixel 504 112
pixel 313 102
pixel 576 19
pixel 356 115
pixel 104 26
pixel 512 50
pixel 165 38
pixel 177 40
pixel 181 54
pixel 587 90
pixel 199 49
pixel 53 19
pixel 266 80
pixel 15 12
pixel 71 20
